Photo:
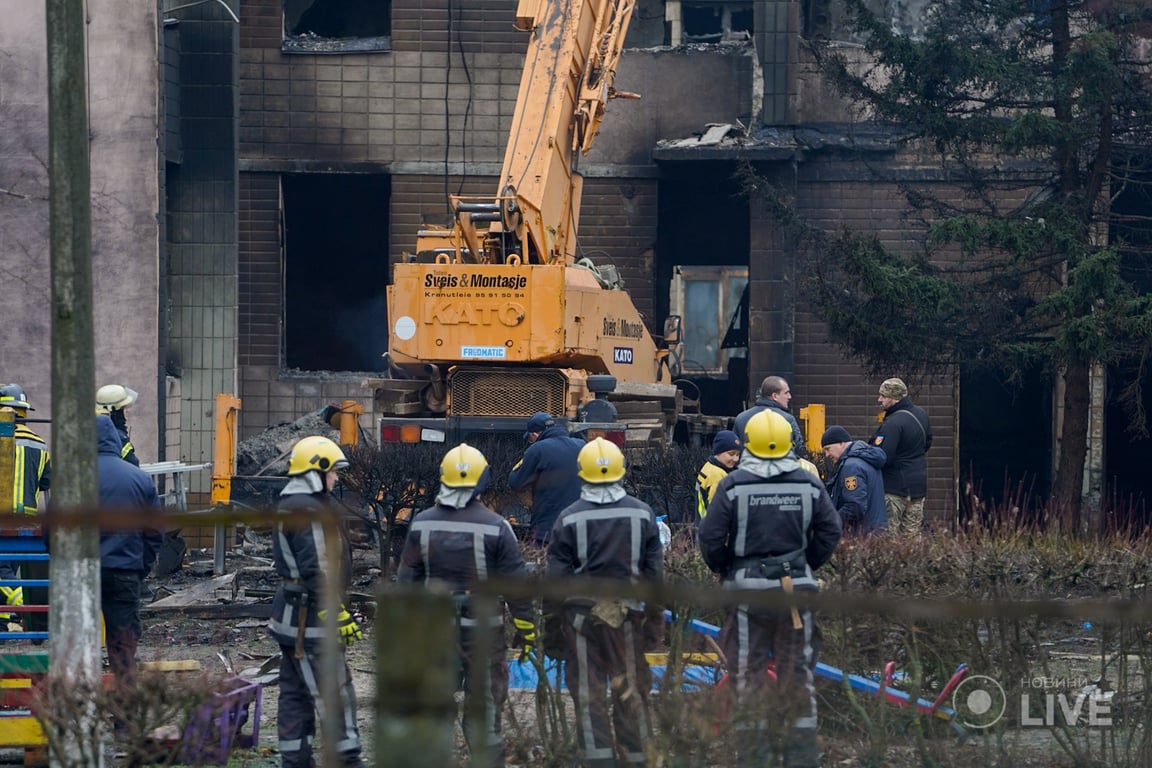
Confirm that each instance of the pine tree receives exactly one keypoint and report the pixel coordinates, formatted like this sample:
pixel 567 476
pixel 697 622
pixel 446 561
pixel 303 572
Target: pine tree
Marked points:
pixel 1037 113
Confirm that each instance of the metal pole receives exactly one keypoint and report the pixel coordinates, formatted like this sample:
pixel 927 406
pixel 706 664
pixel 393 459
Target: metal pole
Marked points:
pixel 416 669
pixel 75 566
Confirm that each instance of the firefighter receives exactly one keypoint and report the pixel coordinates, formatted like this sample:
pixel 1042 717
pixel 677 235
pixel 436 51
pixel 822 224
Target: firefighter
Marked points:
pixel 457 543
pixel 113 399
pixel 606 534
pixel 725 454
pixel 769 526
pixel 32 474
pixel 298 614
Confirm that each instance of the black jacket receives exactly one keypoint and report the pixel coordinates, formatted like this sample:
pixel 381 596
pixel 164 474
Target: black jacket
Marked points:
pixel 299 552
pixel 761 404
pixel 124 486
pixel 905 436
pixel 549 468
pixel 461 547
pixel 753 520
pixel 615 540
pixel 857 489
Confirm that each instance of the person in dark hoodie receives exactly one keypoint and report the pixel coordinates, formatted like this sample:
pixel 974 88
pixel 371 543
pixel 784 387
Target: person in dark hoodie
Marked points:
pixel 299 615
pixel 549 469
pixel 855 484
pixel 458 543
pixel 775 395
pixel 126 554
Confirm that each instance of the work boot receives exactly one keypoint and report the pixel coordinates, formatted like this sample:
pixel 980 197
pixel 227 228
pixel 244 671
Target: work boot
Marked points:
pixel 802 752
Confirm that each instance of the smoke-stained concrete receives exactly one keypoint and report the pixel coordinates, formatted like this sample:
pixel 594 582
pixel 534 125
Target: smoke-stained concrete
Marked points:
pixel 123 103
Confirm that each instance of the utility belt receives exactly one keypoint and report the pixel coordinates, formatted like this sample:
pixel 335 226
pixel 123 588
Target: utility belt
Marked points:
pixel 774 566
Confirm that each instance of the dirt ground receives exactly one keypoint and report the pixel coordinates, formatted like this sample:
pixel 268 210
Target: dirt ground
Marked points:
pixel 240 645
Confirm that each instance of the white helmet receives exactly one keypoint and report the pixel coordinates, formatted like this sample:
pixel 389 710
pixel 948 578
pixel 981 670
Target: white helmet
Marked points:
pixel 112 397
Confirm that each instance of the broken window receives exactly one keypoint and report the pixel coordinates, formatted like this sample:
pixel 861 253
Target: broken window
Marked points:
pixel 337 26
pixel 335 271
pixel 705 21
pixel 706 298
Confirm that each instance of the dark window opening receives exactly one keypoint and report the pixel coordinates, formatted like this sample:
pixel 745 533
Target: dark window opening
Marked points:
pixel 705 269
pixel 337 26
pixel 716 22
pixel 1127 452
pixel 816 21
pixel 335 271
pixel 1005 443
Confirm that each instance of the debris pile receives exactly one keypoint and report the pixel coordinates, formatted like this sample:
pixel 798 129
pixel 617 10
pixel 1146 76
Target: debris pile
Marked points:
pixel 267 452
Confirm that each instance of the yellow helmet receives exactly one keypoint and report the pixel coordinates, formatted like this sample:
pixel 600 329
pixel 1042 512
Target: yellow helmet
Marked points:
pixel 113 397
pixel 315 453
pixel 601 461
pixel 769 435
pixel 462 467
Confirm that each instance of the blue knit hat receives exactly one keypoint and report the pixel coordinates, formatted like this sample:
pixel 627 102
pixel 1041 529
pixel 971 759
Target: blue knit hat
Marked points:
pixel 725 441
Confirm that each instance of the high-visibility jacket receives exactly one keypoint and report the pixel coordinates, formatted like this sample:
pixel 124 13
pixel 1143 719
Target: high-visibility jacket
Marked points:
pixel 32 473
pixel 707 479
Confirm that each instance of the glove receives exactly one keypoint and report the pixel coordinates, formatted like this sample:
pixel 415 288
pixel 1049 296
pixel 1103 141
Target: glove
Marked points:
pixel 345 624
pixel 525 637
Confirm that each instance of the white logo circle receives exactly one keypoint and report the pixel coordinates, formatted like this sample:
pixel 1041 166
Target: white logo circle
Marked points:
pixel 979 702
pixel 405 327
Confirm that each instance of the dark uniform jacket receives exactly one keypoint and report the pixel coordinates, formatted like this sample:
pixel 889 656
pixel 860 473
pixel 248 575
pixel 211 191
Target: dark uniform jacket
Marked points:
pixel 549 469
pixel 127 450
pixel 299 550
pixel 905 436
pixel 758 530
pixel 460 547
pixel 32 471
pixel 762 403
pixel 124 487
pixel 857 489
pixel 616 540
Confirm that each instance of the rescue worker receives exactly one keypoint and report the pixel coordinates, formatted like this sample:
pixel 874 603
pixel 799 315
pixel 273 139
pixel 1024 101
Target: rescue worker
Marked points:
pixel 905 436
pixel 775 395
pixel 126 555
pixel 549 470
pixel 460 542
pixel 113 399
pixel 298 613
pixel 32 475
pixel 856 487
pixel 725 453
pixel 606 534
pixel 769 526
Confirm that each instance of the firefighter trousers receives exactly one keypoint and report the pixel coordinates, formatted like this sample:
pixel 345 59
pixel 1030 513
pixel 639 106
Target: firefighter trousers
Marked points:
pixel 610 683
pixel 296 716
pixel 772 716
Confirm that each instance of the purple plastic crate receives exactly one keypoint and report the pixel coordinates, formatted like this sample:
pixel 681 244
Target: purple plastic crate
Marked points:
pixel 218 726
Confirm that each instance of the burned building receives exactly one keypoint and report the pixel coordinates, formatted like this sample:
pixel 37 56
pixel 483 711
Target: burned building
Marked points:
pixel 303 143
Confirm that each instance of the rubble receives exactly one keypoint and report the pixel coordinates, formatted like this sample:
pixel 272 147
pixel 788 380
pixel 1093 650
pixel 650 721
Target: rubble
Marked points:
pixel 267 452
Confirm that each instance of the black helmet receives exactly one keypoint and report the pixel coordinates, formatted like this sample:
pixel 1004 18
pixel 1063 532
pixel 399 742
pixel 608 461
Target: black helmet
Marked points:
pixel 12 396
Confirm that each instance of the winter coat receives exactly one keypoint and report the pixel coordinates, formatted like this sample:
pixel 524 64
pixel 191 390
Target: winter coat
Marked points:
pixel 549 468
pixel 707 479
pixel 857 489
pixel 760 529
pixel 761 404
pixel 32 472
pixel 461 547
pixel 300 556
pixel 124 486
pixel 905 436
